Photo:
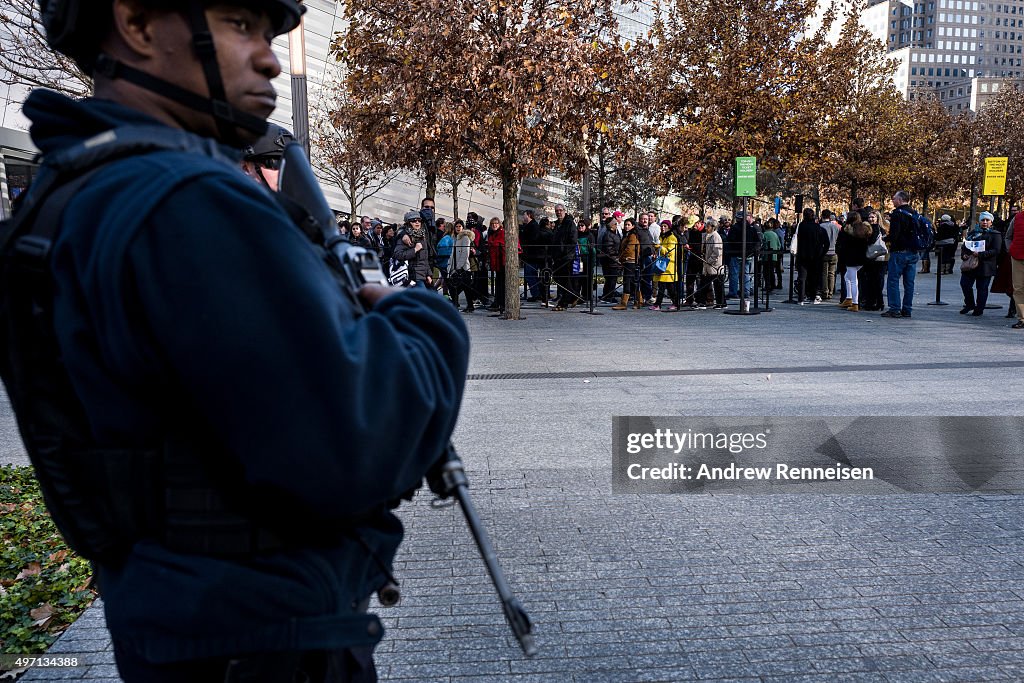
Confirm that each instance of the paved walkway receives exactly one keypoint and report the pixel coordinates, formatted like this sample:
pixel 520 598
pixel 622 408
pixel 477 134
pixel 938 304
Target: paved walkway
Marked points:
pixel 706 587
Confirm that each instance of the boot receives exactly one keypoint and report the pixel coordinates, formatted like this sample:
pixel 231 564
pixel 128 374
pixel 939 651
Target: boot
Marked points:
pixel 639 303
pixel 853 308
pixel 846 303
pixel 623 303
pixel 926 266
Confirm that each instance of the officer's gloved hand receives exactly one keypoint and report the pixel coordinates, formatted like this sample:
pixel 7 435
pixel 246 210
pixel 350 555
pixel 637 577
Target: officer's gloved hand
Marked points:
pixel 446 474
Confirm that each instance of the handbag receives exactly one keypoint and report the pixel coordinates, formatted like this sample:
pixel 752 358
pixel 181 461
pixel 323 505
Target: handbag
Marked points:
pixel 660 264
pixel 878 249
pixel 969 263
pixel 398 274
pixel 577 262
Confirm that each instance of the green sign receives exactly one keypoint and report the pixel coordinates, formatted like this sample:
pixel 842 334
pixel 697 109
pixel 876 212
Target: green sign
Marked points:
pixel 746 176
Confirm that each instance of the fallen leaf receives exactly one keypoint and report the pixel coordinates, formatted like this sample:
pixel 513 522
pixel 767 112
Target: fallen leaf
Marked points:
pixel 33 569
pixel 41 615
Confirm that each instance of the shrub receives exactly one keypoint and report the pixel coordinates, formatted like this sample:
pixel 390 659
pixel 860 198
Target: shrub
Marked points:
pixel 44 587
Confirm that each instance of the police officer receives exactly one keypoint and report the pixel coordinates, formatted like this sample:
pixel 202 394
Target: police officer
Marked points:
pixel 240 525
pixel 262 160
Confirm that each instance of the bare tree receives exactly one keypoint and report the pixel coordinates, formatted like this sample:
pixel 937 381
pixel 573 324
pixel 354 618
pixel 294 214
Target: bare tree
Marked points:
pixel 25 58
pixel 341 155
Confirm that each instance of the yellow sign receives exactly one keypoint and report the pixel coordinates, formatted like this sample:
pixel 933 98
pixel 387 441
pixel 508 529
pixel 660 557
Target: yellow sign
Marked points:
pixel 995 176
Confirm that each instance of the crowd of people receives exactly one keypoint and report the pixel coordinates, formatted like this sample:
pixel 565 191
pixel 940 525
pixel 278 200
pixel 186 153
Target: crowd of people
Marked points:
pixel 866 259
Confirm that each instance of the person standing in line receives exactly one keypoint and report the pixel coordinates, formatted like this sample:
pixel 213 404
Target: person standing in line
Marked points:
pixel 669 248
pixel 714 268
pixel 830 260
pixel 629 257
pixel 851 248
pixel 984 264
pixel 811 245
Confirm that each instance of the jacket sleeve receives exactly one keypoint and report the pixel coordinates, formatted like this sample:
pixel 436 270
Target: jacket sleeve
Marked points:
pixel 249 329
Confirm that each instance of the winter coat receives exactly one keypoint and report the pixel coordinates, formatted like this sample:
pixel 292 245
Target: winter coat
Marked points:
pixel 670 247
pixel 629 249
pixel 496 251
pixel 643 235
pixel 851 249
pixel 564 239
pixel 831 229
pixel 988 258
pixel 419 262
pixel 532 245
pixel 248 350
pixel 461 251
pixel 712 253
pixel 771 242
pixel 444 251
pixel 611 243
pixel 1015 237
pixel 811 242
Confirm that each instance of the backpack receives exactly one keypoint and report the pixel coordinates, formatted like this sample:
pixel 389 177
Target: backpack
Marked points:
pixel 922 236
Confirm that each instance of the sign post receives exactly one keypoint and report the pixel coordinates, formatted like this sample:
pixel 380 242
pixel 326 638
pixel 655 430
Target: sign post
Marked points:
pixel 746 186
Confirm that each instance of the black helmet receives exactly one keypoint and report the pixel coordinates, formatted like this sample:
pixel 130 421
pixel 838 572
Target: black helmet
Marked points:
pixel 270 146
pixel 76 28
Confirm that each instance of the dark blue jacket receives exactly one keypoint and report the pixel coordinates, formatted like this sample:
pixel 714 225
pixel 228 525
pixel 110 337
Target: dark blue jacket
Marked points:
pixel 901 228
pixel 189 303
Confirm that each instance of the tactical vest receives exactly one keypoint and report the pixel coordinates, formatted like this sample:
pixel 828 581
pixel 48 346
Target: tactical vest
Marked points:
pixel 104 500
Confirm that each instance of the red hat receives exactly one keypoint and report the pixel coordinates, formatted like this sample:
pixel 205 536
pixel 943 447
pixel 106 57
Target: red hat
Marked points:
pixel 618 214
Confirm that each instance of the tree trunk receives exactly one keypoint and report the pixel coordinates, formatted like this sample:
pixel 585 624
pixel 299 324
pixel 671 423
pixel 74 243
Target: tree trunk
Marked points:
pixel 352 205
pixel 853 191
pixel 431 174
pixel 924 205
pixel 455 198
pixel 510 208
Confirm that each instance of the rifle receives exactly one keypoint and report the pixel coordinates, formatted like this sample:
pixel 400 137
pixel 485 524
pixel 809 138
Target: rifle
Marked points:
pixel 447 478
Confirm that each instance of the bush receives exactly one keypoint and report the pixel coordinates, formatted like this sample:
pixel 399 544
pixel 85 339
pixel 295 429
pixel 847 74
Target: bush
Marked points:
pixel 44 587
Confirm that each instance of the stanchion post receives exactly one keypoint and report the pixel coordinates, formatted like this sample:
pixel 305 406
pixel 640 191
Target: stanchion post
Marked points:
pixel 938 277
pixel 792 267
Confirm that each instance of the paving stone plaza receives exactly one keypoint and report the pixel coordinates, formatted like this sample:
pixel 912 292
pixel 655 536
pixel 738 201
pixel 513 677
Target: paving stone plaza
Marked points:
pixel 801 587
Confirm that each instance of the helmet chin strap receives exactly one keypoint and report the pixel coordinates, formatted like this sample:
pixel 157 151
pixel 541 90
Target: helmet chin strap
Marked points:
pixel 226 117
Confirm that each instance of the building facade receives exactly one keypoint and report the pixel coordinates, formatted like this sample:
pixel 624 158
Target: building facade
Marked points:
pixel 962 51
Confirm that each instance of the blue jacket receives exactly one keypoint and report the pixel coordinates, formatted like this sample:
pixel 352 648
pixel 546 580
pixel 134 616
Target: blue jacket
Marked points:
pixel 444 252
pixel 188 302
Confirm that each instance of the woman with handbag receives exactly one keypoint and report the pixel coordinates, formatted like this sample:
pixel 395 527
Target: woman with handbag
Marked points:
pixel 460 274
pixel 667 266
pixel 852 246
pixel 871 278
pixel 978 267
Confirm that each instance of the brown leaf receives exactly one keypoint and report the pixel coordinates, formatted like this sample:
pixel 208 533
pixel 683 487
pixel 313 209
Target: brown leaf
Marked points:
pixel 42 614
pixel 33 569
